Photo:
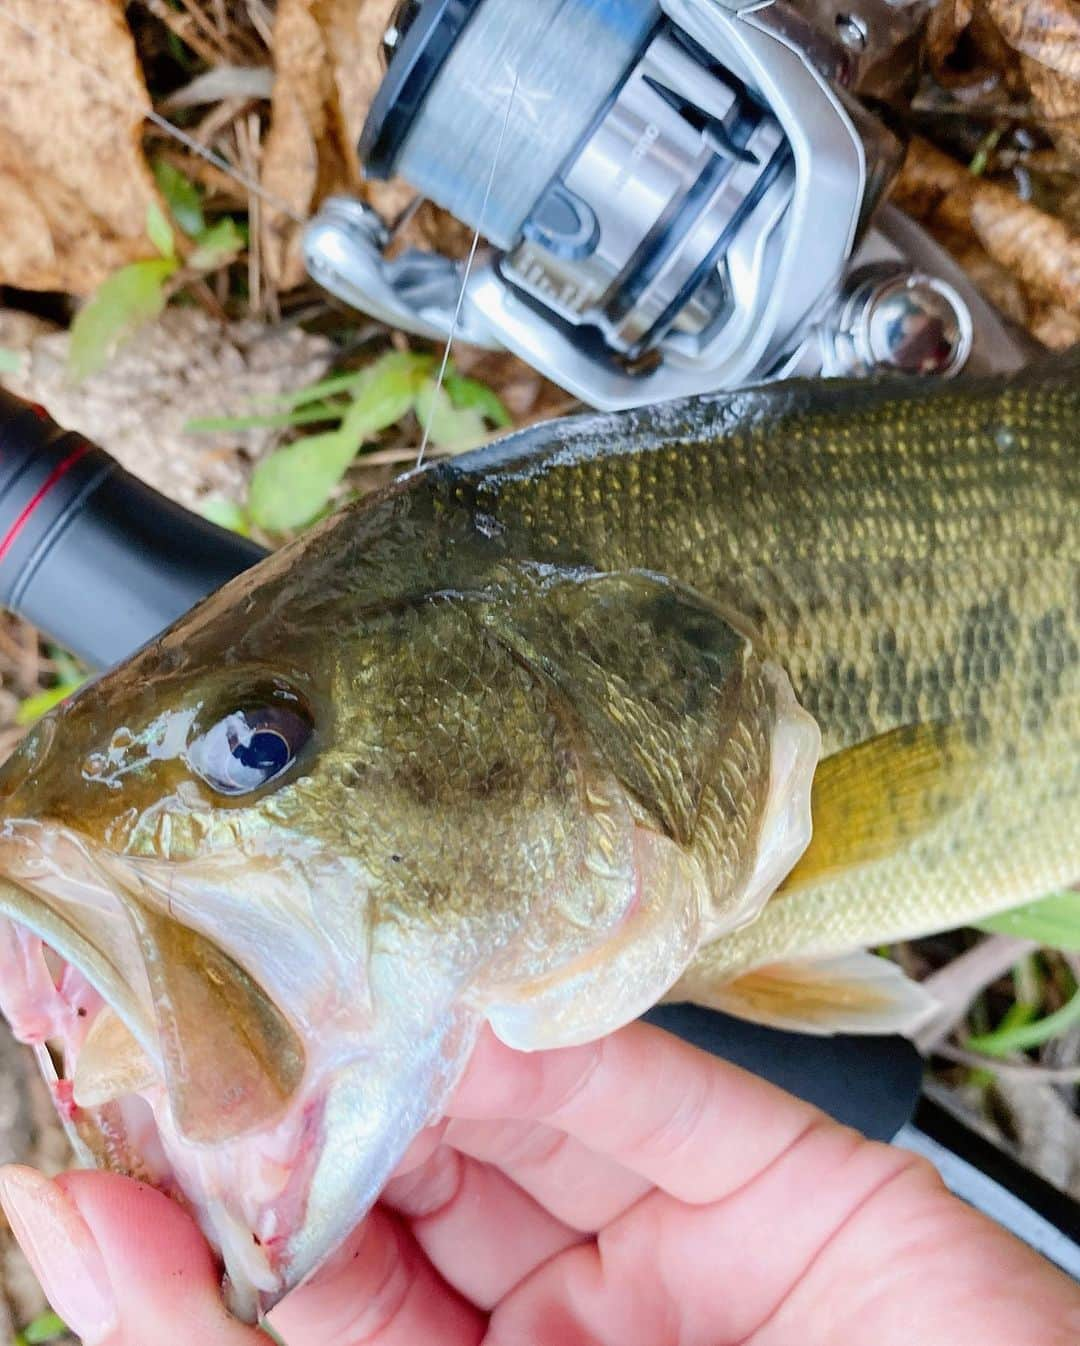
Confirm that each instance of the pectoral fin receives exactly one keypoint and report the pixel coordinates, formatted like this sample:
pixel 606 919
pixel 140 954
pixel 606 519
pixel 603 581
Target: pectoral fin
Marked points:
pixel 231 1060
pixel 858 993
pixel 870 800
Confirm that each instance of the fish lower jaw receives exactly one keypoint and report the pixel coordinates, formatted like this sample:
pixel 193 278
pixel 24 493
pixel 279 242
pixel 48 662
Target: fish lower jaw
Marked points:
pixel 247 1195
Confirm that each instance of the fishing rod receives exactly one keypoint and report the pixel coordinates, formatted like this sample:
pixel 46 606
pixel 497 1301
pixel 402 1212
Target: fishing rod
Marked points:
pixel 103 563
pixel 91 554
pixel 689 197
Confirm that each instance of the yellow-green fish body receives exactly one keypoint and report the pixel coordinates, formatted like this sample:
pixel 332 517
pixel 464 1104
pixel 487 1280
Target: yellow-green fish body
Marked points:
pixel 912 558
pixel 529 739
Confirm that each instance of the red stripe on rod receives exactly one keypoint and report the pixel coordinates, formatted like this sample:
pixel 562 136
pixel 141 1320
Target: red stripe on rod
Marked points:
pixel 64 466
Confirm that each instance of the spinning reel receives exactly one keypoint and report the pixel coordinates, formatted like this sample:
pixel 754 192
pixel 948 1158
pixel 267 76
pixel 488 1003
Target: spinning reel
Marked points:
pixel 678 197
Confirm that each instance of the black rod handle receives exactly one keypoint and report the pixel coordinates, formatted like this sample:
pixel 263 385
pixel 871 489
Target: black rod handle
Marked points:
pixel 88 552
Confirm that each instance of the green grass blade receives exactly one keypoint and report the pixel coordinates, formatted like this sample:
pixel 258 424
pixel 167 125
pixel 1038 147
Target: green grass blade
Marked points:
pixel 1021 1037
pixel 1053 921
pixel 314 392
pixel 306 415
pixel 34 707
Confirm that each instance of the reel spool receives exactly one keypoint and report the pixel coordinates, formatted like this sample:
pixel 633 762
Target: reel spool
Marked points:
pixel 675 195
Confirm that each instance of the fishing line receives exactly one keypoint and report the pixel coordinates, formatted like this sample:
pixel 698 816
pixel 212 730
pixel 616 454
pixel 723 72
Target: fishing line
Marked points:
pixel 152 115
pixel 465 277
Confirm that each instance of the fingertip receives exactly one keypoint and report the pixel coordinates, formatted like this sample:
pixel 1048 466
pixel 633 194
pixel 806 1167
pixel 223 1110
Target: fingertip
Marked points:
pixel 163 1272
pixel 138 1225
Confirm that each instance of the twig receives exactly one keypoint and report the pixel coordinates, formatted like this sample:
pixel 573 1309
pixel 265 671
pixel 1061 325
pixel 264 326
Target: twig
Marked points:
pixel 219 119
pixel 260 298
pixel 184 28
pixel 212 31
pixel 262 21
pixel 1013 1068
pixel 224 81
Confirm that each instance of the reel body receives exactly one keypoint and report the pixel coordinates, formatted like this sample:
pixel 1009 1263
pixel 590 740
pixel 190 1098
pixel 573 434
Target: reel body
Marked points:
pixel 676 195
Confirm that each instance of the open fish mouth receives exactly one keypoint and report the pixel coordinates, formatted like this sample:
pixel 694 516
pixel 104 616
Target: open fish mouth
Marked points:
pixel 168 1062
pixel 237 1012
pixel 96 999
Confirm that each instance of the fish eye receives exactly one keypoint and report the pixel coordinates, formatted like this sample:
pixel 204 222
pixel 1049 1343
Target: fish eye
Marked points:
pixel 249 747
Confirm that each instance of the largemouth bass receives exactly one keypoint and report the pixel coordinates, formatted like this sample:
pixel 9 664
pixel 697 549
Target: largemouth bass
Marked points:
pixel 532 739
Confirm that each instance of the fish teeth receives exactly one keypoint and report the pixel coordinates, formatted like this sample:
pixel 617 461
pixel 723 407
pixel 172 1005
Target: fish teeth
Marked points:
pixel 246 1265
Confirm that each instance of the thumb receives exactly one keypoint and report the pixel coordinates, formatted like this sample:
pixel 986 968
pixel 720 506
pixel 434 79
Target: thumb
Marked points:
pixel 119 1262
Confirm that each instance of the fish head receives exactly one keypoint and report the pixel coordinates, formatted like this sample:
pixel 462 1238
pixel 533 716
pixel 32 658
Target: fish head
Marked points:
pixel 264 883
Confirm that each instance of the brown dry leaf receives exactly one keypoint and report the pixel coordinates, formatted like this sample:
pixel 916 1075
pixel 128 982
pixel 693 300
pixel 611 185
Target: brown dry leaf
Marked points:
pixel 327 68
pixel 968 55
pixel 1046 34
pixel 1039 250
pixel 1055 328
pixel 1048 31
pixel 74 185
pixel 943 28
pixel 1058 99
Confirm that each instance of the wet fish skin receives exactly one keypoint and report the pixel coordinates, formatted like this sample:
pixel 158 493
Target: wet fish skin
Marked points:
pixel 910 556
pixel 517 765
pixel 546 707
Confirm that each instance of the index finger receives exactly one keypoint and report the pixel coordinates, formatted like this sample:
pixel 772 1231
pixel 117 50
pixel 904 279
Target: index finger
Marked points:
pixel 693 1125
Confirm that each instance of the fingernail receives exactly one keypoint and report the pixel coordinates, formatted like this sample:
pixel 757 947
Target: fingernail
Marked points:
pixel 60 1248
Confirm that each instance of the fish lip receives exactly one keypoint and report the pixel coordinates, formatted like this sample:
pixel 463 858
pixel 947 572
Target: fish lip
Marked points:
pixel 26 902
pixel 42 863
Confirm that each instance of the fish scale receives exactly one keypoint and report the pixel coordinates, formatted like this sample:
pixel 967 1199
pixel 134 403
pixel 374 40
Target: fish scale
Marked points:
pixel 908 557
pixel 540 730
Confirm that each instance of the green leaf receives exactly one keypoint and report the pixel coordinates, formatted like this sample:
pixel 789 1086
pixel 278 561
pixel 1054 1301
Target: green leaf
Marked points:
pixel 159 231
pixel 128 298
pixel 449 427
pixel 1053 922
pixel 1013 1037
pixel 314 392
pixel 226 514
pixel 987 146
pixel 65 665
pixel 182 197
pixel 385 393
pixel 217 245
pixel 44 1329
pixel 289 488
pixel 34 707
pixel 11 361
pixel 306 415
pixel 471 393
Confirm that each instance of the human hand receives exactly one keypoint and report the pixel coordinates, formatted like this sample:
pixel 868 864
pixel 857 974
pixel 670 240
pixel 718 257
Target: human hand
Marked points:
pixel 632 1191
